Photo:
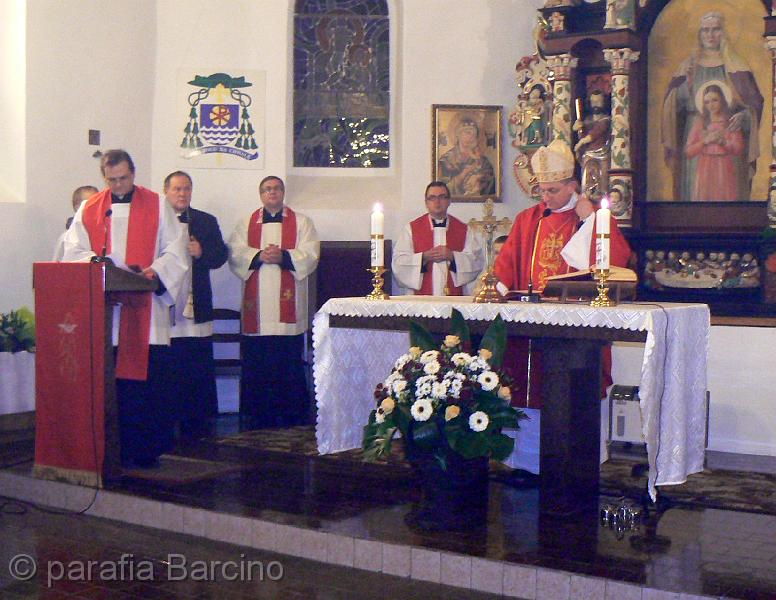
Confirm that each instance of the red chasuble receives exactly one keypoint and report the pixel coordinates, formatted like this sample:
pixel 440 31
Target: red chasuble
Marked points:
pixel 135 322
pixel 533 247
pixel 423 239
pixel 250 308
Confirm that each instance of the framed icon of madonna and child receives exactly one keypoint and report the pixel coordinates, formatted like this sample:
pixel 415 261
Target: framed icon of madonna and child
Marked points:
pixel 466 150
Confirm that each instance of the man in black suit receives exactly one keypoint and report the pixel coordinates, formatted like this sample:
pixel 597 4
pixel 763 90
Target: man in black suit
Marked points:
pixel 192 370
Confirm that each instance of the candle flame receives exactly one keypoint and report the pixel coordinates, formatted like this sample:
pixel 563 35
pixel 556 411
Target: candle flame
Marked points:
pixel 378 208
pixel 605 202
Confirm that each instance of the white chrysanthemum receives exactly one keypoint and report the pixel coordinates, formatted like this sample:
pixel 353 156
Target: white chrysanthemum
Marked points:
pixel 439 390
pixel 428 356
pixel 478 421
pixel 394 376
pixel 379 416
pixel 432 368
pixel 478 364
pixel 451 341
pixel 452 411
pixel 488 380
pixel 461 359
pixel 423 389
pixel 414 352
pixel 422 409
pixel 485 354
pixel 399 386
pixel 455 388
pixel 505 393
pixel 401 361
pixel 387 405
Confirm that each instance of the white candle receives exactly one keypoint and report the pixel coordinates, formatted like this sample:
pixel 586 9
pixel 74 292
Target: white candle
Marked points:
pixel 377 236
pixel 602 229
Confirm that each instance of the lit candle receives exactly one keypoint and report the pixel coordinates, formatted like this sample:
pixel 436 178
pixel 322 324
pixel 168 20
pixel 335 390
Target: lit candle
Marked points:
pixel 602 219
pixel 378 236
pixel 578 107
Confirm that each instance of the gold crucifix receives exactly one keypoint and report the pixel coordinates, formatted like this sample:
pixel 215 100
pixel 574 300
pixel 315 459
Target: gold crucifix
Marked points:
pixel 487 226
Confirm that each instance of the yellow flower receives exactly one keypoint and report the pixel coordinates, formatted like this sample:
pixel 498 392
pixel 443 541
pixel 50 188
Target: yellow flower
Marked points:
pixel 451 412
pixel 387 405
pixel 415 352
pixel 505 393
pixel 485 354
pixel 451 341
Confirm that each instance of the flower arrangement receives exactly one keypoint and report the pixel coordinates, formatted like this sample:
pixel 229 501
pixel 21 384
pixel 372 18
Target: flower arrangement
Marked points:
pixel 444 399
pixel 17 331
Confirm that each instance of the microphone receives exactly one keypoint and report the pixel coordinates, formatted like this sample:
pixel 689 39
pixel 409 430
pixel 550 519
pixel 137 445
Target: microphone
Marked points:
pixel 545 213
pixel 102 257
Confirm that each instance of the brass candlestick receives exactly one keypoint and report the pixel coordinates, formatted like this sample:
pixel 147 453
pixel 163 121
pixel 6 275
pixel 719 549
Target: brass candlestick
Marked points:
pixel 602 275
pixel 378 282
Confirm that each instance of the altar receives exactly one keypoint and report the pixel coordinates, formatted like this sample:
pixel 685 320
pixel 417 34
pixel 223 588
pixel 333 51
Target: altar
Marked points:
pixel 357 341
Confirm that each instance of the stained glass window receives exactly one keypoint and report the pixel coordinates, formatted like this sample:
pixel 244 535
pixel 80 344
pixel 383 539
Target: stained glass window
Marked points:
pixel 341 83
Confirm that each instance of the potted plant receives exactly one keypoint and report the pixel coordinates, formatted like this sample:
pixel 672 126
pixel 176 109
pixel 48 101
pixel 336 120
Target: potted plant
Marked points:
pixel 449 405
pixel 17 361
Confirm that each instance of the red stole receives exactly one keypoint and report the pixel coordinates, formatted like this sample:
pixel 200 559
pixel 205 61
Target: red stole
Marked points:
pixel 423 239
pixel 135 322
pixel 250 307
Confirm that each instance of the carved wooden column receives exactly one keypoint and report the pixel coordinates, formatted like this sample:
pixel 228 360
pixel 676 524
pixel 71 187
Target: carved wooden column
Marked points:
pixel 770 43
pixel 620 170
pixel 562 66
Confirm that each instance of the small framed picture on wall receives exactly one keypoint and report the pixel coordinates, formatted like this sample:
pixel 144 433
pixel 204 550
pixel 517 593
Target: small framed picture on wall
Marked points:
pixel 466 150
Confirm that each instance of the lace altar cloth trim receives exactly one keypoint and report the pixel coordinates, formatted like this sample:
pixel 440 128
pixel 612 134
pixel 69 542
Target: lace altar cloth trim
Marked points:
pixel 672 390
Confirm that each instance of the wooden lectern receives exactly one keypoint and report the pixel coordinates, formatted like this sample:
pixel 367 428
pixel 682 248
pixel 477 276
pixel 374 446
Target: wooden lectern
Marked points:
pixel 76 413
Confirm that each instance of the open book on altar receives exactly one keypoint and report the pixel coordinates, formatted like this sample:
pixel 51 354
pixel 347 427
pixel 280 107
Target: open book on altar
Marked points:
pixel 583 285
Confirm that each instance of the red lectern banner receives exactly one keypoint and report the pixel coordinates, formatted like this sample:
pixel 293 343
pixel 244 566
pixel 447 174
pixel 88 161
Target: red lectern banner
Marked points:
pixel 70 371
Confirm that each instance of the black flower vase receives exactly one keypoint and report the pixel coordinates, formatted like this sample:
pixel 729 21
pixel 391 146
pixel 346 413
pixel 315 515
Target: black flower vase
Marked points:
pixel 455 495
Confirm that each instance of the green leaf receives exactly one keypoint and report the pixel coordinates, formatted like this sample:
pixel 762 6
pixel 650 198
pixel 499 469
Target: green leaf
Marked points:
pixel 501 446
pixel 460 328
pixel 420 337
pixel 377 439
pixel 426 434
pixel 495 340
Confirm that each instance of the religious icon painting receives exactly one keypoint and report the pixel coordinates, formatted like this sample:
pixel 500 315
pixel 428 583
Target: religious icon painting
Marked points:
pixel 224 127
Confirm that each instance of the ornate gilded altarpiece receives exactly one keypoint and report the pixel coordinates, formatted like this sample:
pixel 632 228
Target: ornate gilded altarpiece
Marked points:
pixel 669 105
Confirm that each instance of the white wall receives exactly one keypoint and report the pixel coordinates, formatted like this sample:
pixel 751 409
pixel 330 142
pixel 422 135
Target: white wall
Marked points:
pixel 443 52
pixel 89 66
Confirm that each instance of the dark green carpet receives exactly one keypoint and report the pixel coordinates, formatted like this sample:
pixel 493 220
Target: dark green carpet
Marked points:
pixel 730 490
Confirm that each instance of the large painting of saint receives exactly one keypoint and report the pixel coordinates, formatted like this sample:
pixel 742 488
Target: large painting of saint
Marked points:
pixel 709 131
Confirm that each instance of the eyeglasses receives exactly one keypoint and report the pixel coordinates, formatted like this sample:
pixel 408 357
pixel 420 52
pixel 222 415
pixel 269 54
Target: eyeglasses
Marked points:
pixel 272 188
pixel 115 180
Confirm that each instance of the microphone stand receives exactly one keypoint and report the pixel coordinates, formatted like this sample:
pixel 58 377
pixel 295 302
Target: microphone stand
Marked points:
pixel 102 258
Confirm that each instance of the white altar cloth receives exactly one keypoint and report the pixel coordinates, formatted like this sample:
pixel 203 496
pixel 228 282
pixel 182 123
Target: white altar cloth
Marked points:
pixel 349 363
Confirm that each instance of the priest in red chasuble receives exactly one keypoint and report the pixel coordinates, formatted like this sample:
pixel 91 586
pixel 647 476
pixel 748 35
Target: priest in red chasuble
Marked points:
pixel 436 254
pixel 552 238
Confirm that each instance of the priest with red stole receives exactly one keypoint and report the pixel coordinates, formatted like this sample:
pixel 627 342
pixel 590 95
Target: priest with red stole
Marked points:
pixel 137 230
pixel 273 252
pixel 552 238
pixel 436 254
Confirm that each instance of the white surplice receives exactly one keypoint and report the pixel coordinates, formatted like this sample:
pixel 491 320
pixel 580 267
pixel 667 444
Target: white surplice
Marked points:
pixel 304 258
pixel 406 263
pixel 170 262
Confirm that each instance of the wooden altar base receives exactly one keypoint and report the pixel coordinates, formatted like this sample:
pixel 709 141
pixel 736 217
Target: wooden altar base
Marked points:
pixel 350 516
